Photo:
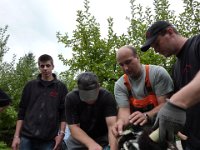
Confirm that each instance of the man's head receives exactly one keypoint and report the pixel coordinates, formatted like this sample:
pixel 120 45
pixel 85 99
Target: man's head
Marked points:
pixel 129 61
pixel 88 86
pixel 45 63
pixel 162 37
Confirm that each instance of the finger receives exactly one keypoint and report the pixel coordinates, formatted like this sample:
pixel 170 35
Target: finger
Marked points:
pixel 182 136
pixel 139 120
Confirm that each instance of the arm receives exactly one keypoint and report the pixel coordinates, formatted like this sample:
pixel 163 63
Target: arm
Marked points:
pixel 59 138
pixel 16 139
pixel 188 95
pixel 111 138
pixel 82 137
pixel 122 120
pixel 142 118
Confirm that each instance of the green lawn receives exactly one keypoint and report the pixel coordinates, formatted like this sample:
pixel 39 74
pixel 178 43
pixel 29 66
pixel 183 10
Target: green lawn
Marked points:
pixel 3 146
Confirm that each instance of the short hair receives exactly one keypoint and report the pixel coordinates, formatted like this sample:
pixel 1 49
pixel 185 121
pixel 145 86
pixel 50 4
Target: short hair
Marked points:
pixel 44 58
pixel 87 81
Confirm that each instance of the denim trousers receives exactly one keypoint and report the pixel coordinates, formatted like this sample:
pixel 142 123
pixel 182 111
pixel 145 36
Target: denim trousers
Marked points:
pixel 34 144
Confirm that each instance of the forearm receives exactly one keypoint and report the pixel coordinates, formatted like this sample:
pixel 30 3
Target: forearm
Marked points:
pixel 18 128
pixel 80 135
pixel 123 116
pixel 112 140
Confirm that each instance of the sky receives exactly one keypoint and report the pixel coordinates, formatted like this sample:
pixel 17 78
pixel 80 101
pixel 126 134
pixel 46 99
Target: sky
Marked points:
pixel 33 24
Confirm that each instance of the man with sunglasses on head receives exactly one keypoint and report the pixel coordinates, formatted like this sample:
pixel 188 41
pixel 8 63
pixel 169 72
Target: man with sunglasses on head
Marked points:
pixel 163 37
pixel 41 117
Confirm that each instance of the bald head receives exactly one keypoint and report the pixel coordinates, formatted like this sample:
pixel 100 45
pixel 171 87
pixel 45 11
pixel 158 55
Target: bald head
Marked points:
pixel 128 59
pixel 126 50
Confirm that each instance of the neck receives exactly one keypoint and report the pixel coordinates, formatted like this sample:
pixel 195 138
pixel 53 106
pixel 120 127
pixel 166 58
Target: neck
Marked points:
pixel 49 78
pixel 180 44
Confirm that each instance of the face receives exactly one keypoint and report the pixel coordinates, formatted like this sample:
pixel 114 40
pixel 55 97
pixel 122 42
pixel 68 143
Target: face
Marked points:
pixel 129 63
pixel 164 45
pixel 46 69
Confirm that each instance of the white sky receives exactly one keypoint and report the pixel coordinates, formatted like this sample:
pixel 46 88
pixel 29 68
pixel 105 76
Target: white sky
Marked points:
pixel 33 23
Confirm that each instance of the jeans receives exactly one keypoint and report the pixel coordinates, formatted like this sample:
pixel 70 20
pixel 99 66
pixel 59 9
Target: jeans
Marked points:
pixel 34 144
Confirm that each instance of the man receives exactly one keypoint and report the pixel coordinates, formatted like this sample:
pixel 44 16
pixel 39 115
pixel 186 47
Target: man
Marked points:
pixel 91 112
pixel 143 94
pixel 41 117
pixel 165 39
pixel 4 100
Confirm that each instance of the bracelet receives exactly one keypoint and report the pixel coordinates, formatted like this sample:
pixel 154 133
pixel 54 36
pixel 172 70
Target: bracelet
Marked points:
pixel 147 116
pixel 16 136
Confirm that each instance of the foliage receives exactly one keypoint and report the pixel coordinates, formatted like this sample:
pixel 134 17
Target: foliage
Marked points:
pixel 12 82
pixel 91 52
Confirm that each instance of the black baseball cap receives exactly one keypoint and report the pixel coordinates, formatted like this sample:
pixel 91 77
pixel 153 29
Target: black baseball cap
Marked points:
pixel 153 32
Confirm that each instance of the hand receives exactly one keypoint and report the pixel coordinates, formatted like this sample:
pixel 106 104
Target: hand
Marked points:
pixel 58 141
pixel 170 119
pixel 15 143
pixel 138 118
pixel 117 129
pixel 95 146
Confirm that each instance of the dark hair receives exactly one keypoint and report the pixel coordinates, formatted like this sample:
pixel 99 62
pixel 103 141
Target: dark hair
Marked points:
pixel 87 81
pixel 44 58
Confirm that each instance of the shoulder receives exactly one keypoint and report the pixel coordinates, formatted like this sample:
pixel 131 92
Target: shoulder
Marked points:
pixel 104 92
pixel 155 69
pixel 72 94
pixel 120 81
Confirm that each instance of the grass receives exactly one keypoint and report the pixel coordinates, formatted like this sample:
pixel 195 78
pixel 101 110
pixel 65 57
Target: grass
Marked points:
pixel 3 146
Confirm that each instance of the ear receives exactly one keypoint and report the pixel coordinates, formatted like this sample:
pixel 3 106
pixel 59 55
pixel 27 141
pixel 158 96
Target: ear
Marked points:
pixel 170 30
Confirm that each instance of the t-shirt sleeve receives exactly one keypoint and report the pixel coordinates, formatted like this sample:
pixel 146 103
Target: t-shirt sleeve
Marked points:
pixel 4 99
pixel 121 93
pixel 163 83
pixel 111 106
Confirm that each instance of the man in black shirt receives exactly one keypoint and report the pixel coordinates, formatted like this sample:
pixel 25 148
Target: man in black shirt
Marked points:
pixel 166 40
pixel 91 111
pixel 41 117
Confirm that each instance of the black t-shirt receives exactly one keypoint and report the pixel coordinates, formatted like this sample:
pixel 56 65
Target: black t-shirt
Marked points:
pixel 90 117
pixel 185 68
pixel 4 99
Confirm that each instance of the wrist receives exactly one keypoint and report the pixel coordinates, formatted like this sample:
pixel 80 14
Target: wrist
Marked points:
pixel 16 136
pixel 61 133
pixel 146 116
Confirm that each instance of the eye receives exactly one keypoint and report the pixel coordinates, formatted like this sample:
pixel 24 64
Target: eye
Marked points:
pixel 42 66
pixel 127 62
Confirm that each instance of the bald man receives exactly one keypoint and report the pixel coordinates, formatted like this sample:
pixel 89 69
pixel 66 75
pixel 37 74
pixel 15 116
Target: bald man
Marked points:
pixel 140 92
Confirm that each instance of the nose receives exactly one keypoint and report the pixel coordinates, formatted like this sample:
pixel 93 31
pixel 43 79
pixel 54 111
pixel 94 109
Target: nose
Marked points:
pixel 125 68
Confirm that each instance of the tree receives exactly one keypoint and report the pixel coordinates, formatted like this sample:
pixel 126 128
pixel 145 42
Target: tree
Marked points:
pixel 14 80
pixel 91 52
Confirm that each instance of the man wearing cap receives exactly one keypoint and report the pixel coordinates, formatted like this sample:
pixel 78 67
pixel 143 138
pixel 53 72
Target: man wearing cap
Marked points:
pixel 140 92
pixel 165 39
pixel 4 100
pixel 91 111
